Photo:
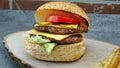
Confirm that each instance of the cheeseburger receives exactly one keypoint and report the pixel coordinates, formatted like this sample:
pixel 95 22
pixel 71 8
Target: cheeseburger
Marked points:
pixel 57 33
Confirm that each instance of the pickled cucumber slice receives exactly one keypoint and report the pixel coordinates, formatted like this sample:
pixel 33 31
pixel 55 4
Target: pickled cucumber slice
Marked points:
pixel 44 23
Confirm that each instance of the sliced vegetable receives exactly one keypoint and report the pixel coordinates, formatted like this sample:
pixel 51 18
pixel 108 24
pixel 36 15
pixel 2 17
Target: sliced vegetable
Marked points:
pixel 44 23
pixel 47 43
pixel 38 39
pixel 49 47
pixel 60 19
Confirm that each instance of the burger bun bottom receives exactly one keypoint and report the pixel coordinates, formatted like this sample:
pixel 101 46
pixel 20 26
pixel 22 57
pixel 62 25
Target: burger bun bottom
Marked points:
pixel 61 53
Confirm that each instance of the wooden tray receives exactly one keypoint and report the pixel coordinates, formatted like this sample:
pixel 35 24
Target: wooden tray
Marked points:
pixel 96 51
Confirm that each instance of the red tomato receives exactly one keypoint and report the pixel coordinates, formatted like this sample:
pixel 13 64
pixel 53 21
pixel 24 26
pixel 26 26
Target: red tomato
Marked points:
pixel 60 19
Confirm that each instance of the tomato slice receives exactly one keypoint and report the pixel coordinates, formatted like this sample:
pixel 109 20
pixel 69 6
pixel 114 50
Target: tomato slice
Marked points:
pixel 60 19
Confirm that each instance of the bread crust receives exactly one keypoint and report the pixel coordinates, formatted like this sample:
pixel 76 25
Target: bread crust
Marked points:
pixel 112 61
pixel 61 53
pixel 65 6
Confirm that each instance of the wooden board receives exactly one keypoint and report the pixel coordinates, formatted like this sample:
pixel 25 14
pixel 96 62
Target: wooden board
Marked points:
pixel 96 51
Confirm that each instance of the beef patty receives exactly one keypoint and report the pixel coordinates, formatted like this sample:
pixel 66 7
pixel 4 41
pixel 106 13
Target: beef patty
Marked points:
pixel 69 40
pixel 59 30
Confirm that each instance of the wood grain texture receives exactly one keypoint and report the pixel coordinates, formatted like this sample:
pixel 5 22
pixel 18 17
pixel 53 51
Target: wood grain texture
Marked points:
pixel 88 7
pixel 18 61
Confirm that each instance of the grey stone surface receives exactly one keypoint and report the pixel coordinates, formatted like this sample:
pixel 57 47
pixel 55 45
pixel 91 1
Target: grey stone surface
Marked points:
pixel 104 27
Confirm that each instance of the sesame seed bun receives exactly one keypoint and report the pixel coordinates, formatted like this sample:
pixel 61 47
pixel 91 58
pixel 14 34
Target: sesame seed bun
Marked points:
pixel 61 53
pixel 65 6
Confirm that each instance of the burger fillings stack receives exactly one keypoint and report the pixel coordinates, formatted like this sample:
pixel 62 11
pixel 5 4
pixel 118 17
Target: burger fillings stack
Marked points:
pixel 57 34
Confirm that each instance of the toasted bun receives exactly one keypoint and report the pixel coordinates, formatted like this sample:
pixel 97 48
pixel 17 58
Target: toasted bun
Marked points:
pixel 65 6
pixel 61 53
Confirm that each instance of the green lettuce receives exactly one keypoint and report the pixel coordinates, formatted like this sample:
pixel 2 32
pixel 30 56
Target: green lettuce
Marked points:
pixel 49 46
pixel 39 40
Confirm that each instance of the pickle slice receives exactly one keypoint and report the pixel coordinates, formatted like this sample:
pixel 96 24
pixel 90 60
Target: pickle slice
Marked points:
pixel 44 23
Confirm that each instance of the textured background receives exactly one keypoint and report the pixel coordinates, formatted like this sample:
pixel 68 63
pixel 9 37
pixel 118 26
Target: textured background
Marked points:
pixel 104 27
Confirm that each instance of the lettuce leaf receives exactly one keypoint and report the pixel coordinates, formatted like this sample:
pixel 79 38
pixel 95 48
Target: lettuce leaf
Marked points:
pixel 39 40
pixel 49 46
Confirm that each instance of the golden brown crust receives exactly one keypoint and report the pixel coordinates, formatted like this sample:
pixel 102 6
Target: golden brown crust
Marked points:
pixel 65 6
pixel 112 61
pixel 118 65
pixel 61 53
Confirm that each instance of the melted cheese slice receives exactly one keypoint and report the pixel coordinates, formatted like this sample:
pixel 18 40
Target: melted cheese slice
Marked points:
pixel 49 35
